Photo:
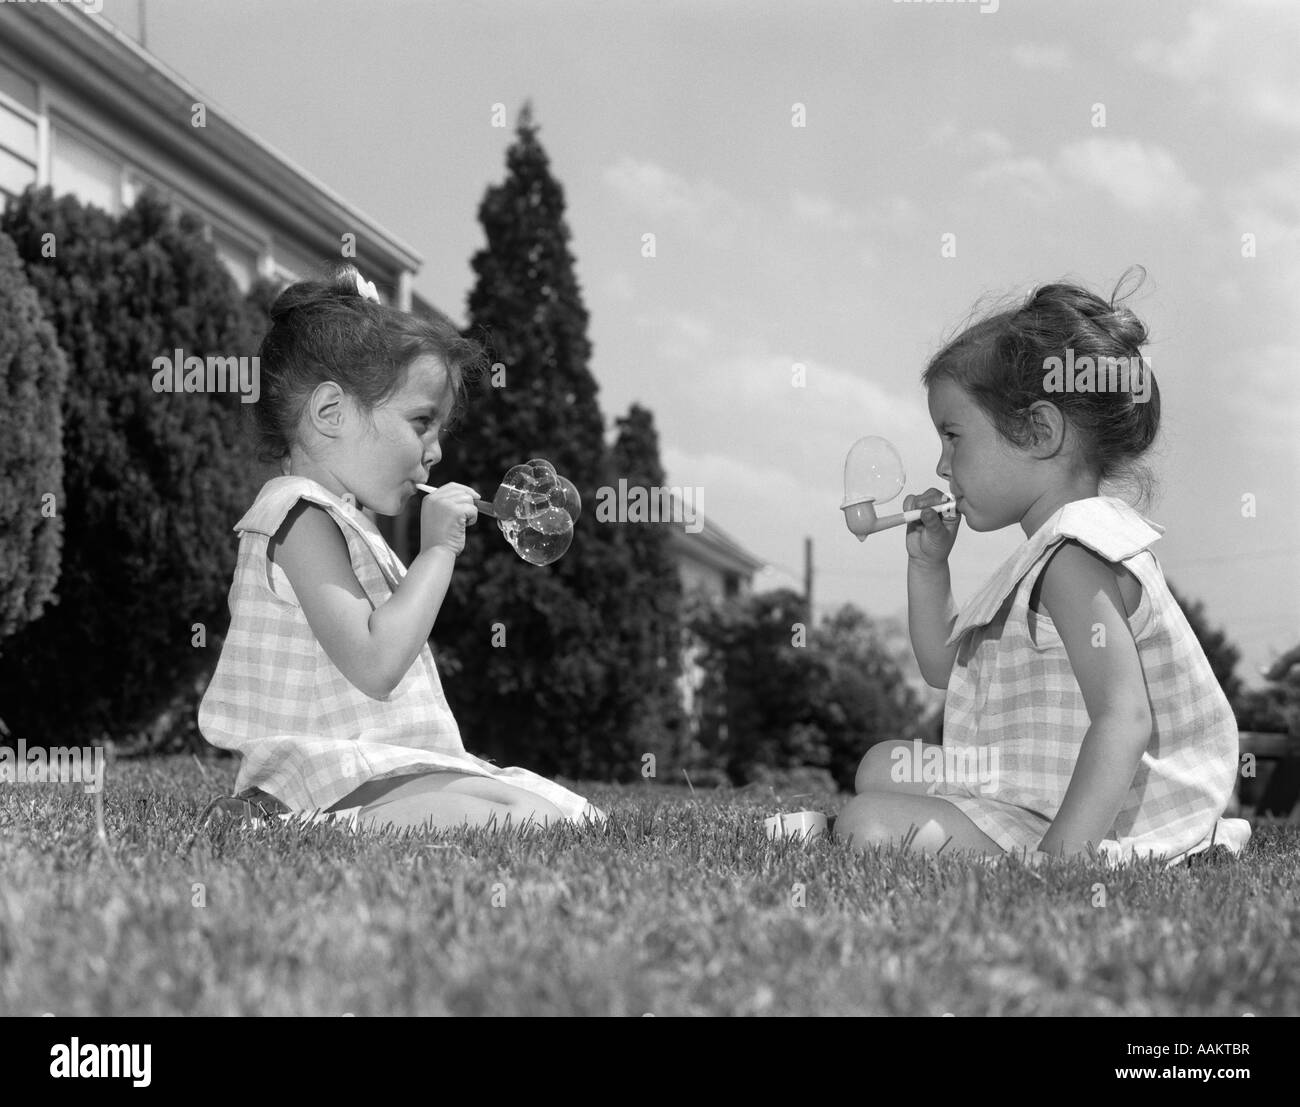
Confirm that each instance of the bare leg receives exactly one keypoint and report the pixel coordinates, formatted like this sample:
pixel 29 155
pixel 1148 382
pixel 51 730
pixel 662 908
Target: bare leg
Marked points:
pixel 444 800
pixel 883 766
pixel 884 818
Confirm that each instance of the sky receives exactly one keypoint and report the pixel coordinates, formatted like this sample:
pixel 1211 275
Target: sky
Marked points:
pixel 821 245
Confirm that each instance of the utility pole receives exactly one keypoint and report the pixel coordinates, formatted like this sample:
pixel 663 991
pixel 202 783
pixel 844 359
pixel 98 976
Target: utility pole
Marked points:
pixel 144 44
pixel 808 577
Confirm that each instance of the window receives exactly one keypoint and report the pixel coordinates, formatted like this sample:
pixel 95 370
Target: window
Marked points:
pixel 18 135
pixel 15 173
pixel 18 88
pixel 132 186
pixel 240 260
pixel 79 168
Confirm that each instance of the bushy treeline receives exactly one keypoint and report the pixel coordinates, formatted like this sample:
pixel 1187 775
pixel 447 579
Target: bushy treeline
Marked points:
pixel 774 691
pixel 143 487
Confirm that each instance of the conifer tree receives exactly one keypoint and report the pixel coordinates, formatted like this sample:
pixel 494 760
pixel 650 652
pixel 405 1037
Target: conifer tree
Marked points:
pixel 654 628
pixel 542 663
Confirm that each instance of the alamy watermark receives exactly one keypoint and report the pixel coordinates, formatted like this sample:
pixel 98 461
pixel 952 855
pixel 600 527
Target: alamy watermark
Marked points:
pixel 986 7
pixel 62 764
pixel 98 1060
pixel 638 504
pixel 932 765
pixel 178 373
pixel 1098 374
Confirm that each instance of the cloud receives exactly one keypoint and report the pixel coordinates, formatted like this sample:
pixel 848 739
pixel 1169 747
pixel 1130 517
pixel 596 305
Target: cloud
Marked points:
pixel 958 141
pixel 889 213
pixel 1268 204
pixel 1262 390
pixel 822 213
pixel 991 142
pixel 1189 57
pixel 1275 101
pixel 802 433
pixel 1040 55
pixel 1242 59
pixel 1140 178
pixel 700 207
pixel 681 336
pixel 1027 178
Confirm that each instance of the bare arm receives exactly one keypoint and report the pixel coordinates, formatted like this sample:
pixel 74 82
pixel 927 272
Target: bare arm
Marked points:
pixel 931 611
pixel 931 615
pixel 1081 594
pixel 372 647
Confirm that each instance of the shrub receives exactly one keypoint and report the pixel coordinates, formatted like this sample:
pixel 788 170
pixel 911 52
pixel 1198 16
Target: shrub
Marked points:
pixel 154 481
pixel 33 376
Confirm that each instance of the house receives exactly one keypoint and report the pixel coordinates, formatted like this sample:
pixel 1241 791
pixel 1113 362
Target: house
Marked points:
pixel 87 110
pixel 713 564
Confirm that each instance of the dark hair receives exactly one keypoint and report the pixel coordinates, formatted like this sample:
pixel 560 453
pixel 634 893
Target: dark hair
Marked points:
pixel 1001 363
pixel 325 330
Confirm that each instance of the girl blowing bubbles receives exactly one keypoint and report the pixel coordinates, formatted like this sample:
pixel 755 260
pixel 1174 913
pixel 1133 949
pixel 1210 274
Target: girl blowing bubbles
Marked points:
pixel 1074 681
pixel 326 683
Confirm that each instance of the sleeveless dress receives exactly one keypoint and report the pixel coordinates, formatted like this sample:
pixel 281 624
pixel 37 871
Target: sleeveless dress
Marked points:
pixel 1012 689
pixel 306 734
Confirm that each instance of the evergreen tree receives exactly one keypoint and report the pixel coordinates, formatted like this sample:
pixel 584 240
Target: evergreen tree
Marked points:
pixel 537 659
pixel 154 481
pixel 653 640
pixel 33 377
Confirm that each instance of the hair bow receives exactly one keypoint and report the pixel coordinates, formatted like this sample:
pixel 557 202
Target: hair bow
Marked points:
pixel 366 290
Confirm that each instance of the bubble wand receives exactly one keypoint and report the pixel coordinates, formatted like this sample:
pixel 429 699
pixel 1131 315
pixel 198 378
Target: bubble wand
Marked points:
pixel 484 508
pixel 873 473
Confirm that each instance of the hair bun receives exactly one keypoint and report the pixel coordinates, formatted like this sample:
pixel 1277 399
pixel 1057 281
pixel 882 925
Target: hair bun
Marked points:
pixel 345 279
pixel 293 297
pixel 342 282
pixel 1125 327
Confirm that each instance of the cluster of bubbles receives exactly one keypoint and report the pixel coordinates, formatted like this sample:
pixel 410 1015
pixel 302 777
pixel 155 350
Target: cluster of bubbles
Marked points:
pixel 536 509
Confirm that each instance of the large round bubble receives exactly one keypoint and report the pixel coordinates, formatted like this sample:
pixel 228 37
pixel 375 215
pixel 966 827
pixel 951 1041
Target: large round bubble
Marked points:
pixel 873 472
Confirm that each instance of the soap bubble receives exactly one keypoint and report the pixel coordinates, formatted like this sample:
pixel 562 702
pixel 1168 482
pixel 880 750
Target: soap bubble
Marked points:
pixel 536 509
pixel 572 501
pixel 552 520
pixel 873 472
pixel 535 546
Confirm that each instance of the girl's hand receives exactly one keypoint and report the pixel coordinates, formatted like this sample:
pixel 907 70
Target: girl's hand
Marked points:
pixel 444 516
pixel 930 539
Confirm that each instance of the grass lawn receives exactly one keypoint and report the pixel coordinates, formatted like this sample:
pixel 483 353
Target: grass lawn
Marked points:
pixel 679 906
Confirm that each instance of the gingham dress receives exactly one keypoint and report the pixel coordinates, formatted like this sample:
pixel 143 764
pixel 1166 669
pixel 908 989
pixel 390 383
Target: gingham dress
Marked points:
pixel 1015 691
pixel 307 735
